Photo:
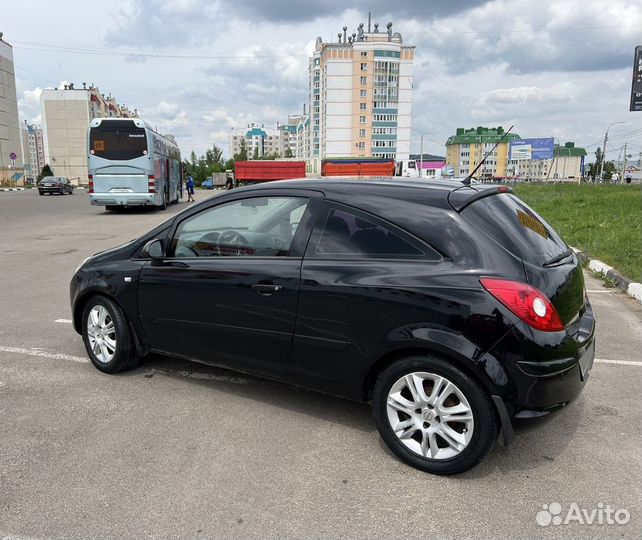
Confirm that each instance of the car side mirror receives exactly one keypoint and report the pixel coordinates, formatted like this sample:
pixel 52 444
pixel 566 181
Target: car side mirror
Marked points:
pixel 154 249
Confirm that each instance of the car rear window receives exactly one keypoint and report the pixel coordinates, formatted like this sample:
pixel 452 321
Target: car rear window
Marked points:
pixel 517 227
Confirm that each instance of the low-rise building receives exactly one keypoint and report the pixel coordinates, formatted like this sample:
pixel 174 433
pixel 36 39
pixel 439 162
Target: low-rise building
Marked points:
pixel 567 163
pixel 467 147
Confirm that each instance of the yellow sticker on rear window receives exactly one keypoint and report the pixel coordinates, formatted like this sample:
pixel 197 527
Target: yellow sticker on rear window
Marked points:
pixel 532 223
pixel 99 146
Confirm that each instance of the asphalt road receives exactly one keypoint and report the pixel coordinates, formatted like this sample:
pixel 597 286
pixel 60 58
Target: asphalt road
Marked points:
pixel 177 450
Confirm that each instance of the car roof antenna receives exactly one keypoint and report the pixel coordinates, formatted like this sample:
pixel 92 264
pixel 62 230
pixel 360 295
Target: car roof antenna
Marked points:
pixel 466 181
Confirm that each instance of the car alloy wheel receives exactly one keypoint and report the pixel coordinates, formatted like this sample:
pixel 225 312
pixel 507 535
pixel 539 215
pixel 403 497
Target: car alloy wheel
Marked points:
pixel 430 415
pixel 101 334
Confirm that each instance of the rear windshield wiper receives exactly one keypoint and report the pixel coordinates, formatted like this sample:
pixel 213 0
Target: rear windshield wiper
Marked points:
pixel 558 258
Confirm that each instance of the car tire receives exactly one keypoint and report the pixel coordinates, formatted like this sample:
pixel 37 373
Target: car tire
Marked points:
pixel 111 208
pixel 107 337
pixel 421 438
pixel 41 193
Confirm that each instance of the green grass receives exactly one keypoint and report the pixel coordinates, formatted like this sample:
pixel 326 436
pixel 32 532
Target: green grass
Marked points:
pixel 604 221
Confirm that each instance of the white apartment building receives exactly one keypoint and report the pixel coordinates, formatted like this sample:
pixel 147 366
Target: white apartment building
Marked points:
pixel 66 115
pixel 259 140
pixel 33 149
pixel 11 170
pixel 361 95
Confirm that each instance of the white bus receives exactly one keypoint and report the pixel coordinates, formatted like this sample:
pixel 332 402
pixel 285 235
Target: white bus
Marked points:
pixel 131 165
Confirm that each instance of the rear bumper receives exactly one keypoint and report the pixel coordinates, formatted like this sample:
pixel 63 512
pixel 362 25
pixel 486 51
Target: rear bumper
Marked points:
pixel 122 199
pixel 546 370
pixel 50 189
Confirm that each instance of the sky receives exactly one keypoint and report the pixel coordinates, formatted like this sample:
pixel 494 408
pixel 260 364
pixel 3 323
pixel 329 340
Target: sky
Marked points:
pixel 196 68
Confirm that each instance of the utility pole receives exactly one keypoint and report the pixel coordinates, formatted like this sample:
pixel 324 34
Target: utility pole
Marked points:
pixel 606 137
pixel 421 156
pixel 624 164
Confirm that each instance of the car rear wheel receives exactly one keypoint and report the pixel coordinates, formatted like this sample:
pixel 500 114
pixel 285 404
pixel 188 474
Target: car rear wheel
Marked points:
pixel 107 337
pixel 433 416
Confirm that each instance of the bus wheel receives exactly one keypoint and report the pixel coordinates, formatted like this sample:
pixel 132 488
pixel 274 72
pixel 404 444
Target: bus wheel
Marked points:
pixel 165 202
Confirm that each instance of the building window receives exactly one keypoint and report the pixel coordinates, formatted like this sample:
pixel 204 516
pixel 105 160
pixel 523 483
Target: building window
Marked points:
pixel 364 66
pixel 364 80
pixel 362 106
pixel 363 93
pixel 362 133
pixel 362 119
pixel 364 53
pixel 362 145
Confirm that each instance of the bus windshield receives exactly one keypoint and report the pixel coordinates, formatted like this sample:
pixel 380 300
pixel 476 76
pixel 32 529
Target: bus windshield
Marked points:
pixel 117 140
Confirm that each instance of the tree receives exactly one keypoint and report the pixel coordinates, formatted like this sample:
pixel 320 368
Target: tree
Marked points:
pixel 46 171
pixel 288 153
pixel 255 154
pixel 242 154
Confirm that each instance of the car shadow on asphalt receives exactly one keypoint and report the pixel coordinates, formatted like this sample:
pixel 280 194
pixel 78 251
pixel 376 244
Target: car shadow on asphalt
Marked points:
pixel 533 448
pixel 333 409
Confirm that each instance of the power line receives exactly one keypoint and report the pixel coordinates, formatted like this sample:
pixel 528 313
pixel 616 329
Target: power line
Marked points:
pixel 48 47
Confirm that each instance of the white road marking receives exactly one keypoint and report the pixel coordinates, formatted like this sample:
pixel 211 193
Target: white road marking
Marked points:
pixel 619 362
pixel 600 291
pixel 64 321
pixel 36 351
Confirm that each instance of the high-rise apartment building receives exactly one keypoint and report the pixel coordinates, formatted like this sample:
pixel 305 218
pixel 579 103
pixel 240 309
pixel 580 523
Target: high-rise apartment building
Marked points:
pixel 10 147
pixel 66 114
pixel 361 95
pixel 33 149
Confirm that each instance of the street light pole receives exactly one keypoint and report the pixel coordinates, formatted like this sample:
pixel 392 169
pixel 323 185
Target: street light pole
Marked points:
pixel 606 137
pixel 421 156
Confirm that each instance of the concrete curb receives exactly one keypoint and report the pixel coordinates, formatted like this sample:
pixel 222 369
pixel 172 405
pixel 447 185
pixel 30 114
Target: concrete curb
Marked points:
pixel 632 288
pixel 13 189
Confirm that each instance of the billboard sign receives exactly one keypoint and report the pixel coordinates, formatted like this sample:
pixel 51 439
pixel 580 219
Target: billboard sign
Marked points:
pixel 636 85
pixel 532 149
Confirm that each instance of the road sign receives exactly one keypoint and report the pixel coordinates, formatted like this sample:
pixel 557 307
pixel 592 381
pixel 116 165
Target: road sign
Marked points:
pixel 13 156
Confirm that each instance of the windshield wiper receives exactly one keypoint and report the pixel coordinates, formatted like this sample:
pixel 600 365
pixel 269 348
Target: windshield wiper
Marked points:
pixel 558 258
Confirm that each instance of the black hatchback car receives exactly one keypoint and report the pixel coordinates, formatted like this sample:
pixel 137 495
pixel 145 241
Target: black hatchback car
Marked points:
pixel 457 311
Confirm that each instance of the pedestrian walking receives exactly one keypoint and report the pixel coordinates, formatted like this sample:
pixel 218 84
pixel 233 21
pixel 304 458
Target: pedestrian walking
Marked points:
pixel 190 189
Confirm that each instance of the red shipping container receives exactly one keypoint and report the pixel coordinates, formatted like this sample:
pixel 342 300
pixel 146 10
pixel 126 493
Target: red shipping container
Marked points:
pixel 265 171
pixel 357 168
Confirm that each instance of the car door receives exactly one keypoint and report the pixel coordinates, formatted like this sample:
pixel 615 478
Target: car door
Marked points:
pixel 226 293
pixel 362 288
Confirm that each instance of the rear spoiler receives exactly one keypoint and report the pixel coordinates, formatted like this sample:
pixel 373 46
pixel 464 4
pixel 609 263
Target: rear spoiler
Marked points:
pixel 464 196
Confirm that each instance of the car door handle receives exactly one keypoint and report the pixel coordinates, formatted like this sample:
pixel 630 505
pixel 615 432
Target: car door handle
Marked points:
pixel 266 289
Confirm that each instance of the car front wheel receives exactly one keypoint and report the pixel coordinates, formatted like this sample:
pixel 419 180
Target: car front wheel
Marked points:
pixel 433 416
pixel 107 337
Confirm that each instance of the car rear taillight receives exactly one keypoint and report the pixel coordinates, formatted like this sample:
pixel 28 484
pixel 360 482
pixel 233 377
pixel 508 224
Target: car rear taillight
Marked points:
pixel 151 183
pixel 91 184
pixel 528 303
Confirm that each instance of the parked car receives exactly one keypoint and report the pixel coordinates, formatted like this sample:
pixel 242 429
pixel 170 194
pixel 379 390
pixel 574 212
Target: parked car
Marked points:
pixel 456 311
pixel 55 184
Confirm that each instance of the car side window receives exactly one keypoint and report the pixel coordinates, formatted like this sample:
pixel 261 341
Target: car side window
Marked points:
pixel 257 226
pixel 350 233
